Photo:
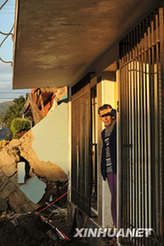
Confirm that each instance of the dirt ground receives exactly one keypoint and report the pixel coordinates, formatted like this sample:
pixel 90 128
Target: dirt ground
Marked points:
pixel 36 230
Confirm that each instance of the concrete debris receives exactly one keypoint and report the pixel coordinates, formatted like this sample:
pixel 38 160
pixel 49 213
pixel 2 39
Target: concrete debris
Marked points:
pixel 9 187
pixel 21 172
pixel 6 159
pixel 15 222
pixel 9 170
pixel 30 230
pixel 19 203
pixel 50 171
pixel 3 204
pixel 43 182
pixel 3 215
pixel 34 189
pixel 58 211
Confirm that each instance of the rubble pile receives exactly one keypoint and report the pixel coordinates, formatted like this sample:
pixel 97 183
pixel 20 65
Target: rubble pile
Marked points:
pixel 28 189
pixel 33 230
pixel 11 198
pixel 43 179
pixel 24 231
pixel 49 170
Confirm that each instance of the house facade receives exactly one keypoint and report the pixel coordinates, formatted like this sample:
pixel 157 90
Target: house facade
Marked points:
pixel 104 55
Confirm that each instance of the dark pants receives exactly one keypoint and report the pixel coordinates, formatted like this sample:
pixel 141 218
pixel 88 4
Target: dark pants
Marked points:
pixel 112 182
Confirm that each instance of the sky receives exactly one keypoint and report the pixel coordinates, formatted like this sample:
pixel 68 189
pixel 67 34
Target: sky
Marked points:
pixel 6 53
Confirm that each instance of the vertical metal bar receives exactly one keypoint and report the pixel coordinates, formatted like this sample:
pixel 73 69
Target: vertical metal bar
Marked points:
pixel 142 127
pixel 148 83
pixel 119 142
pixel 121 123
pixel 131 138
pixel 152 205
pixel 132 134
pixel 161 125
pixel 125 162
pixel 138 123
pixel 125 140
pixel 77 178
pixel 135 133
pixel 154 122
pixel 158 131
pixel 129 131
pixel 125 130
pixel 124 167
pixel 146 80
pixel 80 172
pixel 128 149
pixel 86 149
pixel 127 137
pixel 88 109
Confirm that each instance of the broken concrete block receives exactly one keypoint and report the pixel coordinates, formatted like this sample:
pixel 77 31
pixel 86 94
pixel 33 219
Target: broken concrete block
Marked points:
pixel 21 172
pixel 15 222
pixel 9 170
pixel 3 215
pixel 18 202
pixel 3 180
pixel 5 159
pixel 7 190
pixel 3 204
pixel 34 189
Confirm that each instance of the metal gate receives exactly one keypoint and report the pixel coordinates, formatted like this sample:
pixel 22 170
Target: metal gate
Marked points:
pixel 142 129
pixel 81 150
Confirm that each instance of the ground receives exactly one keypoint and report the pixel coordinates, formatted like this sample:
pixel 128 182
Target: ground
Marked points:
pixel 37 230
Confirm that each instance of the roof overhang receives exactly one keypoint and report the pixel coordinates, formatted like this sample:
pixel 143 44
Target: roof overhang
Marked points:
pixel 58 41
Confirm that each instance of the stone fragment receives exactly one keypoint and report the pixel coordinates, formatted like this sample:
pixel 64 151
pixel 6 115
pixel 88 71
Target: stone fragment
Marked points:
pixel 9 170
pixel 6 159
pixel 15 222
pixel 3 204
pixel 18 202
pixel 21 172
pixel 7 190
pixel 3 215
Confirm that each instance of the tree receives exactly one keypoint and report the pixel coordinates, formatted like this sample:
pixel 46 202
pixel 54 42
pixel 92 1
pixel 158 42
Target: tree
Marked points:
pixel 14 111
pixel 19 124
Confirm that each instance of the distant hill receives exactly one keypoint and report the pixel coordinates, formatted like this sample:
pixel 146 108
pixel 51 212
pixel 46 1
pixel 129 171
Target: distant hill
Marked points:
pixel 3 108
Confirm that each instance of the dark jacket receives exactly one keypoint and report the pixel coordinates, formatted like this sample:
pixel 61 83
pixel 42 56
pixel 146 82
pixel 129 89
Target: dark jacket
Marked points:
pixel 113 152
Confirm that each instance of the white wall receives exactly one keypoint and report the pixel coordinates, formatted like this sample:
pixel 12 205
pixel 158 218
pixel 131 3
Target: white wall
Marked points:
pixel 110 93
pixel 51 137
